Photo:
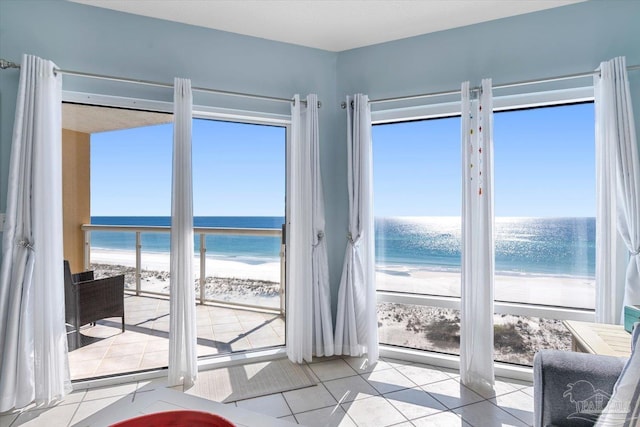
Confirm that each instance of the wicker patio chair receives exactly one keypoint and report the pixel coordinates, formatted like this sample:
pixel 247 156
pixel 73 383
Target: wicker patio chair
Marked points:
pixel 88 300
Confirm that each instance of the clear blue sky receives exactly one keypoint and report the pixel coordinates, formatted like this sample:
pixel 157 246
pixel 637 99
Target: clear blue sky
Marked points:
pixel 238 170
pixel 544 167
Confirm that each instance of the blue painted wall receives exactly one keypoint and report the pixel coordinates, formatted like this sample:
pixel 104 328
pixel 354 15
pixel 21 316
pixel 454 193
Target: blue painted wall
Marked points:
pixel 565 40
pixel 558 41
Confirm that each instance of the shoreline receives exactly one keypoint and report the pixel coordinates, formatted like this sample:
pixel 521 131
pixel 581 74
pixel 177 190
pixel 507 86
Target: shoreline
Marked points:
pixel 392 269
pixel 400 269
pixel 527 288
pixel 561 291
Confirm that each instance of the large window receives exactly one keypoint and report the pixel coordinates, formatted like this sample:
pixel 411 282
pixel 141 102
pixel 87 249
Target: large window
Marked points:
pixel 239 183
pixel 417 206
pixel 120 224
pixel 545 222
pixel 545 205
pixel 544 173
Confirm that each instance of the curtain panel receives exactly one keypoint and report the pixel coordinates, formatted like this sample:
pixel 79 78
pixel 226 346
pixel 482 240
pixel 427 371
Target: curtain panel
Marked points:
pixel 309 322
pixel 618 193
pixel 476 313
pixel 33 343
pixel 183 366
pixel 356 321
pixel 321 291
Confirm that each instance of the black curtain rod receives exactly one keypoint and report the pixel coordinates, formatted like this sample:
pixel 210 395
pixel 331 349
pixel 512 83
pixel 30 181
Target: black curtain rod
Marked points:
pixel 4 64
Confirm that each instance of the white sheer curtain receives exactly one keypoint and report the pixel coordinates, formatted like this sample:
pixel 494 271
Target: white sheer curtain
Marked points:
pixel 322 320
pixel 33 341
pixel 183 367
pixel 309 323
pixel 618 193
pixel 299 314
pixel 476 314
pixel 356 320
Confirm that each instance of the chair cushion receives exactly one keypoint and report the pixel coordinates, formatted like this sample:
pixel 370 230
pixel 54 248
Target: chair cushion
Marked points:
pixel 623 408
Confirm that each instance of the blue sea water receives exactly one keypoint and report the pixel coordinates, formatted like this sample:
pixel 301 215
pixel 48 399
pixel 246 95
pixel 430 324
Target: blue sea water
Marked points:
pixel 247 248
pixel 556 246
pixel 550 246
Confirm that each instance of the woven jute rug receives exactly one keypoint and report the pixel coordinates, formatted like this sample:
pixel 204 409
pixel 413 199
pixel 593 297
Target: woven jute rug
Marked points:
pixel 251 380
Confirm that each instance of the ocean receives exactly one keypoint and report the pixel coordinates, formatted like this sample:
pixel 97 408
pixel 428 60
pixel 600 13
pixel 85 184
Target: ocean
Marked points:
pixel 550 246
pixel 244 248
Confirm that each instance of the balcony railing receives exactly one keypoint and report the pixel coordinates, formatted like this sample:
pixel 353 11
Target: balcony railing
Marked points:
pixel 202 233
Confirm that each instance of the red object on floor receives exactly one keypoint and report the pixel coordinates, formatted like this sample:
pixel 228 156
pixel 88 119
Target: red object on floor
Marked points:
pixel 176 419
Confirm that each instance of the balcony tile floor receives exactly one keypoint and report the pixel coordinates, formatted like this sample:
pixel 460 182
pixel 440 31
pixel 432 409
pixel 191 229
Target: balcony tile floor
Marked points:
pixel 105 350
pixel 351 394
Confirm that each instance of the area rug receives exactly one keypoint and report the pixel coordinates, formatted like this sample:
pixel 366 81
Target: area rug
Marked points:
pixel 251 380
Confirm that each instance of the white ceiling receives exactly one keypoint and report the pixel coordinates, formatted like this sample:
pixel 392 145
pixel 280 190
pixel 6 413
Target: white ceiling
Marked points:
pixel 333 25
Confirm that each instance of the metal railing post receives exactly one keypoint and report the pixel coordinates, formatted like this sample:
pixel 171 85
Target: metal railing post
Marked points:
pixel 87 249
pixel 138 261
pixel 283 272
pixel 282 279
pixel 203 266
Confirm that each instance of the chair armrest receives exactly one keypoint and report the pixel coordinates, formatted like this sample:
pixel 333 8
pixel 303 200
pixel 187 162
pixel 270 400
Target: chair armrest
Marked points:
pixel 554 371
pixel 82 277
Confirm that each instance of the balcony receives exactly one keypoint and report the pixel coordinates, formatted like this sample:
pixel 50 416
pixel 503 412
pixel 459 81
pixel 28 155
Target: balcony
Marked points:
pixel 144 345
pixel 237 310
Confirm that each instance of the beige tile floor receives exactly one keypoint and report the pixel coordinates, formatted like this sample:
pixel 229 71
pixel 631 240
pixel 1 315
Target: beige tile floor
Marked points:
pixel 393 393
pixel 144 345
pixel 348 393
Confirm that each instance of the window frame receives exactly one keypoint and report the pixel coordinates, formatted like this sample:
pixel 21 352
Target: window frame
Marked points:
pixel 518 101
pixel 199 112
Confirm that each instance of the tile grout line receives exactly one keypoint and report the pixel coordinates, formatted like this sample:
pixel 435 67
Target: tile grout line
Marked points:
pixel 74 412
pixel 315 409
pixel 504 410
pixel 410 419
pixel 399 411
pixel 93 372
pixel 488 400
pixel 287 403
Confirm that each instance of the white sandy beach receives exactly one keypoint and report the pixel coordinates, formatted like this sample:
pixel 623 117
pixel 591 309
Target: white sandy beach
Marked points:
pixel 562 291
pixel 156 261
pixel 246 281
pixel 527 288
